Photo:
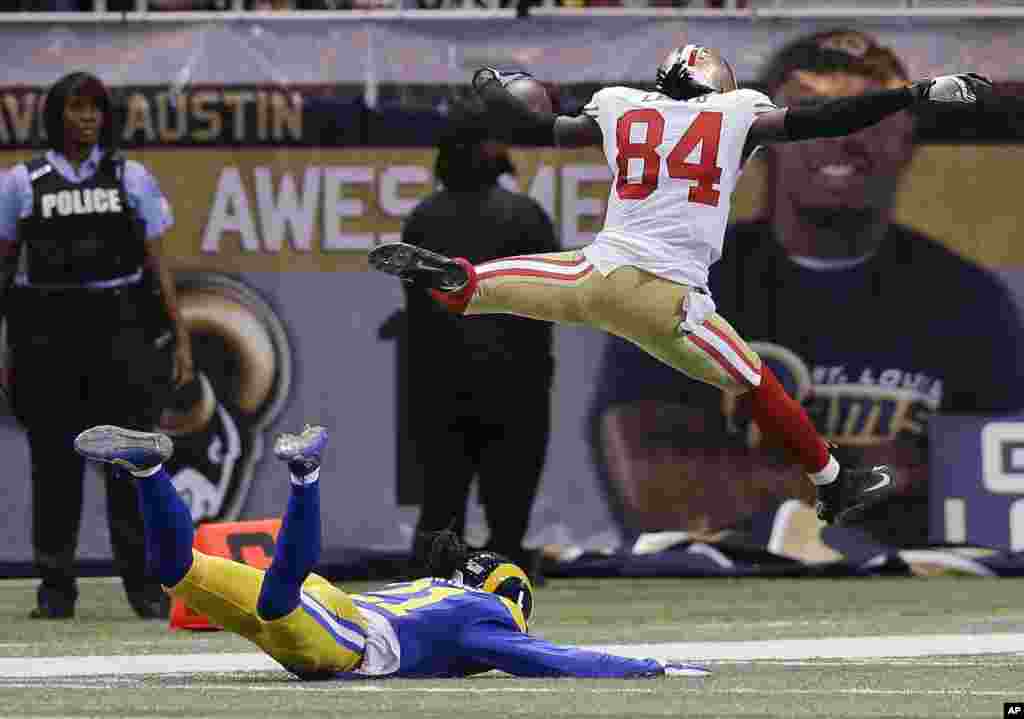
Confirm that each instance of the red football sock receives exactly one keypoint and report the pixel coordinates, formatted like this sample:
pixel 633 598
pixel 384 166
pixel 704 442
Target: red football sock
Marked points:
pixel 785 422
pixel 458 301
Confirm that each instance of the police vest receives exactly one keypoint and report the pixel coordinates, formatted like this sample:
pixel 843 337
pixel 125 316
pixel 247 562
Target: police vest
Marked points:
pixel 80 233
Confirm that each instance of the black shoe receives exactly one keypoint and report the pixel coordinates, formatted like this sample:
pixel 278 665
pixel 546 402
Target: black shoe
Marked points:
pixel 150 603
pixel 854 491
pixel 414 264
pixel 53 603
pixel 535 569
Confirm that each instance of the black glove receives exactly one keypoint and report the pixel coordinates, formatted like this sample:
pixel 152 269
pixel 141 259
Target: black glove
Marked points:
pixel 486 74
pixel 964 89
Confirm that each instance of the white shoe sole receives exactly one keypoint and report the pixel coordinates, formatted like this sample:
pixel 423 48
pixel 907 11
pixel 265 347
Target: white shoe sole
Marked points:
pixel 102 443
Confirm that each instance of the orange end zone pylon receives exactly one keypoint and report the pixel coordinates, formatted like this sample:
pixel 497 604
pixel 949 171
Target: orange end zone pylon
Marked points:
pixel 250 542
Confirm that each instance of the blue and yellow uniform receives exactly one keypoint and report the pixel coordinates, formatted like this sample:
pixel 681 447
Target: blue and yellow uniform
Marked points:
pixel 426 628
pixel 431 627
pixel 444 629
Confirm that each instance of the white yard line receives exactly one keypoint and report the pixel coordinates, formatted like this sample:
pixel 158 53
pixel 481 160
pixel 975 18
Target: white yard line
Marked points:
pixel 124 665
pixel 833 648
pixel 682 687
pixel 884 648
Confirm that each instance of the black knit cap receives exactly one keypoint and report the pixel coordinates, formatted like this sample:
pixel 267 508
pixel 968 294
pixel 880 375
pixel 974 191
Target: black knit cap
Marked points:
pixel 838 50
pixel 78 83
pixel 465 127
pixel 459 164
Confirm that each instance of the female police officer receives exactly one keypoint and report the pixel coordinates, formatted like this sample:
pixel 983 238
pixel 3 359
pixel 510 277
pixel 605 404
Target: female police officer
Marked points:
pixel 92 327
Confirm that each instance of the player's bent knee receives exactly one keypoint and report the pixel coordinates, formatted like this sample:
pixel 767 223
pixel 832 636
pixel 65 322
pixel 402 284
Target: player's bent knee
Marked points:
pixel 757 383
pixel 751 379
pixel 757 367
pixel 276 598
pixel 743 382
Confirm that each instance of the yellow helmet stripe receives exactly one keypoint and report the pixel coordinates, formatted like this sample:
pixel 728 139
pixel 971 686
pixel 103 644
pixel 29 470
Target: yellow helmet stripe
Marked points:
pixel 517 614
pixel 502 572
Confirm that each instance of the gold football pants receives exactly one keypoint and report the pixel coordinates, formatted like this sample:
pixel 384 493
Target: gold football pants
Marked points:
pixel 324 634
pixel 663 318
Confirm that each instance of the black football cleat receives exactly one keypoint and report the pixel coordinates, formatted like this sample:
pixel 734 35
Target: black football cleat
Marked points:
pixel 415 265
pixel 52 603
pixel 854 491
pixel 150 602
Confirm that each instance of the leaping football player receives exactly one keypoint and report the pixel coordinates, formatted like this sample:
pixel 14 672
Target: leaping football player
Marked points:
pixel 676 154
pixel 471 620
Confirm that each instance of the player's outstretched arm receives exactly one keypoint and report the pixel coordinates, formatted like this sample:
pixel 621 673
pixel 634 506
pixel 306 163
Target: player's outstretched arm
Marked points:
pixel 513 652
pixel 845 115
pixel 512 121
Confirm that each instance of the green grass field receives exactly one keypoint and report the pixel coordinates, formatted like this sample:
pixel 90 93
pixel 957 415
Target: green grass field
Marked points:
pixel 590 612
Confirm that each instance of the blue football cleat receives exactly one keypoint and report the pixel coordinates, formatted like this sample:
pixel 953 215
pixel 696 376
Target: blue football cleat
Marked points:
pixel 684 670
pixel 302 451
pixel 135 451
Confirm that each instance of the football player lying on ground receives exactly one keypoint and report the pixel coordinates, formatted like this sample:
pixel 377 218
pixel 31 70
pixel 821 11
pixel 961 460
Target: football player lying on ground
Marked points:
pixel 470 621
pixel 676 153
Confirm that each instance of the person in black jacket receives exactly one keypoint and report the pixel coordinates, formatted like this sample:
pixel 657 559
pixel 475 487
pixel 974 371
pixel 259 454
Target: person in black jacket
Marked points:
pixel 92 327
pixel 482 409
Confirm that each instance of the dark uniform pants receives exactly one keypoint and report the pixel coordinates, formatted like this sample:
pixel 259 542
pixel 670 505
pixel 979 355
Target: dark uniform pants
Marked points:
pixel 496 429
pixel 83 358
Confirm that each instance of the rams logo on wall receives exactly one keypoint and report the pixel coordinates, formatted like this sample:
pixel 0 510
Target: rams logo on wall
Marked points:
pixel 853 405
pixel 243 363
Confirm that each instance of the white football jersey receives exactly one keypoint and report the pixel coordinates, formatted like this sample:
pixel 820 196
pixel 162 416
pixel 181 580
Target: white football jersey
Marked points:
pixel 675 165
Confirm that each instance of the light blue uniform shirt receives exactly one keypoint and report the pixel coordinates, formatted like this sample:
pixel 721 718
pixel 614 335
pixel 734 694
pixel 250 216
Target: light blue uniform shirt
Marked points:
pixel 143 193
